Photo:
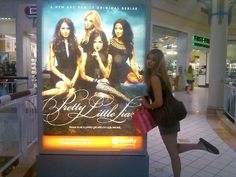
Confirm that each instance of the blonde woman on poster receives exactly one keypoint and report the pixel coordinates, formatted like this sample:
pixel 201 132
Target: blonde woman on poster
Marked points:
pixel 92 21
pixel 121 48
pixel 64 57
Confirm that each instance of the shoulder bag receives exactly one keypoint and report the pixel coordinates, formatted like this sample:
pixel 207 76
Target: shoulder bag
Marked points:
pixel 172 110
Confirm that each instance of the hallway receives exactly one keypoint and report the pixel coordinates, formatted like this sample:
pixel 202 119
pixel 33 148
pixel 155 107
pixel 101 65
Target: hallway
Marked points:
pixel 194 163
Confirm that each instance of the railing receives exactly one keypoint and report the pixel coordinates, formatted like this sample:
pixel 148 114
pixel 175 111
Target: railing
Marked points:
pixel 18 125
pixel 13 84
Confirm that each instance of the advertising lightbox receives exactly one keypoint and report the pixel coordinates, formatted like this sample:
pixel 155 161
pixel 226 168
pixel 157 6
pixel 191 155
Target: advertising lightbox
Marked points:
pixel 92 65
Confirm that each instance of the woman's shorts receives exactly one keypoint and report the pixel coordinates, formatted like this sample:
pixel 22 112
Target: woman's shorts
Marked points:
pixel 169 130
pixel 189 81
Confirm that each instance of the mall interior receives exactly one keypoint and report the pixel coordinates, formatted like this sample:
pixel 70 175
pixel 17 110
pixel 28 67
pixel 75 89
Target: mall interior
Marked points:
pixel 197 33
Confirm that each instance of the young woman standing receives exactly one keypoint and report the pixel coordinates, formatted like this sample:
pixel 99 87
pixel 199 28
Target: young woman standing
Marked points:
pixel 157 80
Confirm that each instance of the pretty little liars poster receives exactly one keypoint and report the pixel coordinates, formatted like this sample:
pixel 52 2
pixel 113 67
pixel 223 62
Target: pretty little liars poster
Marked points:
pixel 92 68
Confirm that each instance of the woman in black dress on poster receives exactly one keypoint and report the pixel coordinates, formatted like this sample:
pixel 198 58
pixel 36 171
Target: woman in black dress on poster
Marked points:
pixel 64 57
pixel 96 67
pixel 96 62
pixel 121 48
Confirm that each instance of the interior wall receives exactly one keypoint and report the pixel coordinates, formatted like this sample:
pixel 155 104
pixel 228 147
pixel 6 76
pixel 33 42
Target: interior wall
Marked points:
pixel 8 8
pixel 8 27
pixel 170 20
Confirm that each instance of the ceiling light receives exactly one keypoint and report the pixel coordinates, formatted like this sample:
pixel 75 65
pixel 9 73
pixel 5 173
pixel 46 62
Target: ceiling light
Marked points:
pixel 5 19
pixel 171 52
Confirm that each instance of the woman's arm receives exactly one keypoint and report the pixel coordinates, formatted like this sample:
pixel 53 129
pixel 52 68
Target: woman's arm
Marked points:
pixel 157 91
pixel 58 73
pixel 77 71
pixel 134 66
pixel 52 62
pixel 106 71
pixel 83 71
pixel 76 75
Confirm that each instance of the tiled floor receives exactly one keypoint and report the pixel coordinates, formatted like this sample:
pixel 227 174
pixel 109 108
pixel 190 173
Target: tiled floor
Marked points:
pixel 195 163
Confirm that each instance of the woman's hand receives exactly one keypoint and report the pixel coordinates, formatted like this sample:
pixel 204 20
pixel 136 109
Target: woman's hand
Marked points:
pixel 104 80
pixel 67 81
pixel 139 77
pixel 96 55
pixel 144 102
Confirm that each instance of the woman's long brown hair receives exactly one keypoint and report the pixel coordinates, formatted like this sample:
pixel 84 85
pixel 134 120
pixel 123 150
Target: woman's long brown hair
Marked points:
pixel 159 67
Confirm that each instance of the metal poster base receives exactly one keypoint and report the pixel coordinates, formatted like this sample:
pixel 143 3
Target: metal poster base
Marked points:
pixel 93 165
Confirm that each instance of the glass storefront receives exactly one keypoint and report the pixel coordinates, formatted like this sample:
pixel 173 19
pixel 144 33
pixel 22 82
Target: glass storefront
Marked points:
pixel 7 54
pixel 231 60
pixel 230 82
pixel 170 42
pixel 199 59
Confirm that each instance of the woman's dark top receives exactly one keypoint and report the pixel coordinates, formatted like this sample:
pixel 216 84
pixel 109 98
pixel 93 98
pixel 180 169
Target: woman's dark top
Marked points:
pixel 66 64
pixel 92 67
pixel 93 70
pixel 164 130
pixel 164 90
pixel 85 46
pixel 120 68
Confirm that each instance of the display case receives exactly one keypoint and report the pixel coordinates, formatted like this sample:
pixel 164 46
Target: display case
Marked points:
pixel 202 76
pixel 7 43
pixel 229 101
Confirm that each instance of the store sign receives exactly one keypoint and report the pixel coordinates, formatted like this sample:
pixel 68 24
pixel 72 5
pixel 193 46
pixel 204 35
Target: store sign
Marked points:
pixel 31 11
pixel 199 41
pixel 88 97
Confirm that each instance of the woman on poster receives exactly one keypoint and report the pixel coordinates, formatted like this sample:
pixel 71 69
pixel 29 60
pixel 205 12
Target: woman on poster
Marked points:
pixel 92 22
pixel 121 48
pixel 64 57
pixel 96 67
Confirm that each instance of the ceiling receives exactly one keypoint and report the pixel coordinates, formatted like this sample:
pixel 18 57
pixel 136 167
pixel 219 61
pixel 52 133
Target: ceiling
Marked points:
pixel 192 10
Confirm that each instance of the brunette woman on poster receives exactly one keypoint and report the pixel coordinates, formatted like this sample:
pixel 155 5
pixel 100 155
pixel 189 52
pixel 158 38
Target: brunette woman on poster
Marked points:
pixel 64 57
pixel 92 21
pixel 155 72
pixel 121 48
pixel 96 66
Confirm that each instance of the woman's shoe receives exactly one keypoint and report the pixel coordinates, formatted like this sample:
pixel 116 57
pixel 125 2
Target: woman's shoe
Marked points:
pixel 209 147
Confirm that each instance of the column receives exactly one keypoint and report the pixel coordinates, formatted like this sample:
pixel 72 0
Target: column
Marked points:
pixel 24 26
pixel 183 50
pixel 218 52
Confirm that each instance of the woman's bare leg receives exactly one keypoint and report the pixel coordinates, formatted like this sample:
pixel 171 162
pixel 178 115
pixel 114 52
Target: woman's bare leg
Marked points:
pixel 184 147
pixel 58 90
pixel 170 142
pixel 70 92
pixel 108 89
pixel 49 92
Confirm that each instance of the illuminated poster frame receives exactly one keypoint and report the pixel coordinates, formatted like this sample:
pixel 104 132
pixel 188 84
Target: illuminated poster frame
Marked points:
pixel 86 122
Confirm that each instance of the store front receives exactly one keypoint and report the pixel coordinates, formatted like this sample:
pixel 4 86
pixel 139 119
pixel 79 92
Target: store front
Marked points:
pixel 174 46
pixel 199 60
pixel 229 86
pixel 7 54
pixel 17 47
pixel 231 60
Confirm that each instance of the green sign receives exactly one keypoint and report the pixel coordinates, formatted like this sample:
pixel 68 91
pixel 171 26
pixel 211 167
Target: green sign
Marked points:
pixel 199 41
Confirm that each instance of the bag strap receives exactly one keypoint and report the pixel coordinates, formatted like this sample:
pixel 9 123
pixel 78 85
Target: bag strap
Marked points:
pixel 163 84
pixel 165 90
